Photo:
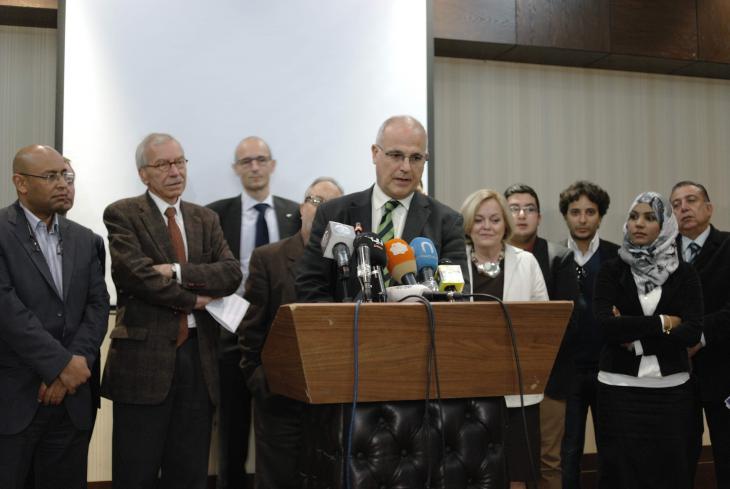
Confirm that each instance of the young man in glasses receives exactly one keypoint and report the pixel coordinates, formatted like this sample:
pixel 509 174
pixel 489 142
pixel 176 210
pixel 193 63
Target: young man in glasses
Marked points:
pixel 55 308
pixel 583 205
pixel 558 270
pixel 277 419
pixel 254 218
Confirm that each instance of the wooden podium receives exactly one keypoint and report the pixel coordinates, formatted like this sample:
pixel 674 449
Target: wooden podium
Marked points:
pixel 308 356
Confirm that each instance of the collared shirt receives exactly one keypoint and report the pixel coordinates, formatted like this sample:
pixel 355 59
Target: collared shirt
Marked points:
pixel 578 256
pixel 700 240
pixel 162 207
pixel 248 230
pixel 49 243
pixel 399 213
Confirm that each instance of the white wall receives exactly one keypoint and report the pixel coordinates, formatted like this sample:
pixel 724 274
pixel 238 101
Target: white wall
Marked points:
pixel 500 123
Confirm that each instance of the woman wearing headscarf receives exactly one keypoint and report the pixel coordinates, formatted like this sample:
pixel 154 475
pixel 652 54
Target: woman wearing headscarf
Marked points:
pixel 649 304
pixel 510 274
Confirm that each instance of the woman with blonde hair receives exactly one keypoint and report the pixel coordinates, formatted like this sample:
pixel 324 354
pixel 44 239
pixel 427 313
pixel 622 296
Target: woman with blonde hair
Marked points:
pixel 511 274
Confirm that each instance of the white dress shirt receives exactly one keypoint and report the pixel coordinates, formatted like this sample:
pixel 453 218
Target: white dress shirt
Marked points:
pixel 49 244
pixel 399 214
pixel 578 256
pixel 700 240
pixel 248 230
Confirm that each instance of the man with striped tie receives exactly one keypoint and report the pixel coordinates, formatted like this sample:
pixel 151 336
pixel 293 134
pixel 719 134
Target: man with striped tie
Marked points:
pixel 392 207
pixel 708 249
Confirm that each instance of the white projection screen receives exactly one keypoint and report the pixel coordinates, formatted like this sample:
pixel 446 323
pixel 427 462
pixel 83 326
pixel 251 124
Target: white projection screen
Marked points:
pixel 313 78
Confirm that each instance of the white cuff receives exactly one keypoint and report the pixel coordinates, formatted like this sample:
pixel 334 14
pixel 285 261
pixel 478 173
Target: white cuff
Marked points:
pixel 638 349
pixel 178 272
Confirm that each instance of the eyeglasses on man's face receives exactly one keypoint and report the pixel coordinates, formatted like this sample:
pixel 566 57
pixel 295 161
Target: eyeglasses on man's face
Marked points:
pixel 53 177
pixel 165 165
pixel 527 209
pixel 315 200
pixel 395 156
pixel 248 161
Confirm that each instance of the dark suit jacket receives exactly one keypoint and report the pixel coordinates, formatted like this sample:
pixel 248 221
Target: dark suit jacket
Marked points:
pixel 426 217
pixel 712 363
pixel 229 211
pixel 141 358
pixel 288 220
pixel 558 269
pixel 41 330
pixel 270 284
pixel 681 296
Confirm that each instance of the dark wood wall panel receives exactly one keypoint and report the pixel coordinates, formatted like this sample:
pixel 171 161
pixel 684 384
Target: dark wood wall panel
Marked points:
pixel 488 21
pixel 713 25
pixel 569 24
pixel 657 28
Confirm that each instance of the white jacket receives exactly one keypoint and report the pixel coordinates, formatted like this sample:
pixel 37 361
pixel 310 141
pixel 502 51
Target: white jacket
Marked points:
pixel 523 281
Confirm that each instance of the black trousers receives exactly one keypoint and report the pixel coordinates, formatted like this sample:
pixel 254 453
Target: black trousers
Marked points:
pixel 234 424
pixel 171 438
pixel 51 449
pixel 646 437
pixel 278 427
pixel 718 422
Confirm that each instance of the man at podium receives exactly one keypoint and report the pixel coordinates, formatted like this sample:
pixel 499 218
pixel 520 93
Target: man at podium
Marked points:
pixel 392 208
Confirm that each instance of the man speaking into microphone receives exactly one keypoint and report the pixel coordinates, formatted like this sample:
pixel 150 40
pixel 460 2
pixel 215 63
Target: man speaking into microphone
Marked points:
pixel 392 208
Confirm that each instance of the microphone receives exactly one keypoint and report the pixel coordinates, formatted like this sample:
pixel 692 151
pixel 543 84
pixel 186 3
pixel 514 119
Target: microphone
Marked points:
pixel 450 277
pixel 401 261
pixel 399 292
pixel 368 248
pixel 377 260
pixel 337 245
pixel 427 260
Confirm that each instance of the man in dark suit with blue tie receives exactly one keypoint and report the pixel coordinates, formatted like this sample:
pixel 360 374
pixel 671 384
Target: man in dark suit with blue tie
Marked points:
pixel 252 219
pixel 55 309
pixel 708 249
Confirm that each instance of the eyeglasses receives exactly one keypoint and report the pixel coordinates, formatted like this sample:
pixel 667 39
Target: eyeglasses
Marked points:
pixel 165 165
pixel 415 159
pixel 261 160
pixel 53 177
pixel 315 200
pixel 528 209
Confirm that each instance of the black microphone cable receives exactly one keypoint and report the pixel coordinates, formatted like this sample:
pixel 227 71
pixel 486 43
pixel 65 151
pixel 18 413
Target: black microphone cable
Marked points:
pixel 355 384
pixel 432 373
pixel 513 338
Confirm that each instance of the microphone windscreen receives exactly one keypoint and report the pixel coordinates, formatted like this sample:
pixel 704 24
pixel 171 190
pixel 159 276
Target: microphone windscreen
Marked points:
pixel 377 250
pixel 401 259
pixel 426 254
pixel 336 233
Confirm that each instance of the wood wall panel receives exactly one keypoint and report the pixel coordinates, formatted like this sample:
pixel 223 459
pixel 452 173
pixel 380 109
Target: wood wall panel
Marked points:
pixel 489 21
pixel 570 24
pixel 655 28
pixel 713 25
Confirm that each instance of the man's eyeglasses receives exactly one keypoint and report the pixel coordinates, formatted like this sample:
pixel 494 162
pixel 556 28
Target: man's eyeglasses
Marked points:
pixel 165 165
pixel 415 159
pixel 528 209
pixel 261 160
pixel 315 200
pixel 53 177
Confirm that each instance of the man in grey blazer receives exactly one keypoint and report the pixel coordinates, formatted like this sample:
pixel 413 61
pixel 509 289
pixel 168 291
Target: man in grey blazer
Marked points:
pixel 254 218
pixel 55 308
pixel 169 260
pixel 392 205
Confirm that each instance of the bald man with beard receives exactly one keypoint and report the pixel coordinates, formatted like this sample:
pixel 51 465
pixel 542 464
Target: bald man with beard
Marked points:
pixel 55 307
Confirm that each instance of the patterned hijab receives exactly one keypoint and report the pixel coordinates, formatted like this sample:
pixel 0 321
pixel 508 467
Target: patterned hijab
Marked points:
pixel 652 264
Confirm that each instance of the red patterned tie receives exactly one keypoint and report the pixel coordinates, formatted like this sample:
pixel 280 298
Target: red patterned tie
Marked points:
pixel 179 247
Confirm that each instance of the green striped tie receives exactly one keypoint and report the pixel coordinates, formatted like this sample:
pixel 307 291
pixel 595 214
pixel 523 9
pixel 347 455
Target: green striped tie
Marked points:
pixel 386 232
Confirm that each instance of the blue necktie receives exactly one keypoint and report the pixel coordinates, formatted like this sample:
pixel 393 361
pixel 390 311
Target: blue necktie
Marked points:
pixel 694 250
pixel 262 230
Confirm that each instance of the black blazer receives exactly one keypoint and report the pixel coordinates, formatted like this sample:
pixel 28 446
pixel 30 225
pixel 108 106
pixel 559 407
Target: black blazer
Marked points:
pixel 681 296
pixel 229 212
pixel 558 269
pixel 712 363
pixel 426 217
pixel 41 329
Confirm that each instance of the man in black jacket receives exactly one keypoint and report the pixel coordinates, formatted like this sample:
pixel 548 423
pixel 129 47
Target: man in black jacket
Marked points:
pixel 583 205
pixel 249 220
pixel 558 270
pixel 708 250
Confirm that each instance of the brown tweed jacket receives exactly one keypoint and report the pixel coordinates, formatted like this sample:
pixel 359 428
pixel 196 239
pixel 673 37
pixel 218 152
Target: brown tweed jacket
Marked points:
pixel 141 361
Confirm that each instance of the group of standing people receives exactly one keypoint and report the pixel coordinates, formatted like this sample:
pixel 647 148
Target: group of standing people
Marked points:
pixel 645 349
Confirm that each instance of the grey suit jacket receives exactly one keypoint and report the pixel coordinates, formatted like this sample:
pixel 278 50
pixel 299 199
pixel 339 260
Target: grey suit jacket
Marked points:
pixel 41 329
pixel 426 217
pixel 141 359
